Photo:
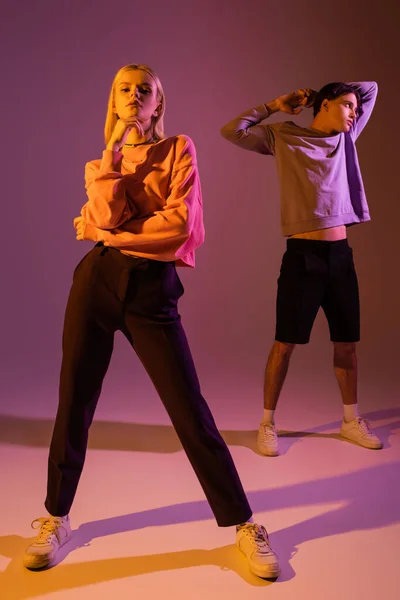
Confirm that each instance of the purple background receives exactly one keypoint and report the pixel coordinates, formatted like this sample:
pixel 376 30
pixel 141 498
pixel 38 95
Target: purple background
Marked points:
pixel 215 59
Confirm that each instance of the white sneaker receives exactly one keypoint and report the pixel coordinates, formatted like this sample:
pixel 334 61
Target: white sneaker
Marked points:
pixel 252 540
pixel 54 533
pixel 267 439
pixel 359 431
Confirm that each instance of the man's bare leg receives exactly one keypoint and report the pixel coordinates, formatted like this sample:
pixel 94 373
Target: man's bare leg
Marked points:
pixel 354 427
pixel 275 374
pixel 345 366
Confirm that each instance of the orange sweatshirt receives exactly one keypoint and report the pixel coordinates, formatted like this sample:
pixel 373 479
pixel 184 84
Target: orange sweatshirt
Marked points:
pixel 146 201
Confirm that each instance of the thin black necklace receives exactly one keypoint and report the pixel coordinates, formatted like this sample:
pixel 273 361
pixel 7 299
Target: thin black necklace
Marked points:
pixel 140 143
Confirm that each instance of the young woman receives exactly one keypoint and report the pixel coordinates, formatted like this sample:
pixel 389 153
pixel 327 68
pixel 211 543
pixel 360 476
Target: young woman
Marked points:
pixel 144 210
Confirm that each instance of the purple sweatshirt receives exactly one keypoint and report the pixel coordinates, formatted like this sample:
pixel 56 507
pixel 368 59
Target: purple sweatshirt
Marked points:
pixel 319 174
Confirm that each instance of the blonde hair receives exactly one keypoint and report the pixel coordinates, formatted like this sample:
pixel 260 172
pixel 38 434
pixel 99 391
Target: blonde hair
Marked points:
pixel 158 121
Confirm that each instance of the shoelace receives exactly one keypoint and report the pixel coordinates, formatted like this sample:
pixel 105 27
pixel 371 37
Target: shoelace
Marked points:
pixel 259 536
pixel 364 425
pixel 268 432
pixel 47 526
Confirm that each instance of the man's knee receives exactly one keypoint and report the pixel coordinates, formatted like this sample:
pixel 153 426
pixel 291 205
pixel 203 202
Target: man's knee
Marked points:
pixel 344 355
pixel 344 348
pixel 283 349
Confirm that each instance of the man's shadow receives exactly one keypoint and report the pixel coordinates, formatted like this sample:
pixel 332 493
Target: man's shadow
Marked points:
pixel 138 437
pixel 367 499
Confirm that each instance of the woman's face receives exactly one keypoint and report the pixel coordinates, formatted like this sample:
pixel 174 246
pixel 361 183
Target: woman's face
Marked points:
pixel 136 96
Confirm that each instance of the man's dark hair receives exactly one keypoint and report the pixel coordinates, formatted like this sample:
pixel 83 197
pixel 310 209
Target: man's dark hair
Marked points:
pixel 335 90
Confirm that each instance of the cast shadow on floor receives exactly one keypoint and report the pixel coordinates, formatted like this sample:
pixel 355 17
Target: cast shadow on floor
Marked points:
pixel 140 437
pixel 359 506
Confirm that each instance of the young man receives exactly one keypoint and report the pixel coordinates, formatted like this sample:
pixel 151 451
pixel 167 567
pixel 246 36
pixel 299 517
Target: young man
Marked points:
pixel 321 194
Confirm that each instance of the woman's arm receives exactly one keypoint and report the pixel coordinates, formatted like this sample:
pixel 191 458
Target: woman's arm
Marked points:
pixel 107 206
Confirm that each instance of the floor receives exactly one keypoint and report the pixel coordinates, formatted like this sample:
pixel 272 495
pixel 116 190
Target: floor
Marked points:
pixel 142 528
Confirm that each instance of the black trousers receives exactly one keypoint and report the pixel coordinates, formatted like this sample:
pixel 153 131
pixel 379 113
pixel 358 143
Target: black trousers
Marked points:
pixel 110 292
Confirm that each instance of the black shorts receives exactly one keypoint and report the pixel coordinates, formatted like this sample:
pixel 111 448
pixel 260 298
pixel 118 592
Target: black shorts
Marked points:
pixel 316 273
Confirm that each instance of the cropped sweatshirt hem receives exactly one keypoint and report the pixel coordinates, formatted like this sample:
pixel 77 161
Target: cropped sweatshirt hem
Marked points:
pixel 323 223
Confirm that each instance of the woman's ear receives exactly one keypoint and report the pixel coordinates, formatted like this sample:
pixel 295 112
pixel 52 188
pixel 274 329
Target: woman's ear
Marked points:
pixel 157 111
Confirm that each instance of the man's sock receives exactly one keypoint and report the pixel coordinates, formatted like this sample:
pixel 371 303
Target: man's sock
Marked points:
pixel 350 412
pixel 268 416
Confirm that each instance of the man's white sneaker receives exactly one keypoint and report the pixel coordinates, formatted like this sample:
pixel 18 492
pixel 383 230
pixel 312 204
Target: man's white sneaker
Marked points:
pixel 54 533
pixel 267 439
pixel 359 431
pixel 252 540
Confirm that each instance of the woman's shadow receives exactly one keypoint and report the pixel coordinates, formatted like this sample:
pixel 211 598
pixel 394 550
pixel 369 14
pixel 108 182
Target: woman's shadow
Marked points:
pixel 367 499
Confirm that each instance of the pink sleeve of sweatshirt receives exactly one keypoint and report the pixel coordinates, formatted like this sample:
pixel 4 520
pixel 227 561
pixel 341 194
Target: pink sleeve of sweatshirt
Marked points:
pixel 107 206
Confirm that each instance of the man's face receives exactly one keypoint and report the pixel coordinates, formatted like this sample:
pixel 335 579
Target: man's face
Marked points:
pixel 341 112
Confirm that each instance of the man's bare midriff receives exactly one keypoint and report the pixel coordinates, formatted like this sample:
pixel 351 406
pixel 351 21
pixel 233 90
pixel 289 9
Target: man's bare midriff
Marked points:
pixel 328 235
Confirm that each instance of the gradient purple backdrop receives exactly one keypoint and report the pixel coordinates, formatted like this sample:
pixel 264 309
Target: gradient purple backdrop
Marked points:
pixel 215 59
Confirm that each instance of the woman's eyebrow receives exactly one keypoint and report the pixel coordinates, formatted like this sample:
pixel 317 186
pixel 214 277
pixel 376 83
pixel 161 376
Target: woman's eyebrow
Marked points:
pixel 129 83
